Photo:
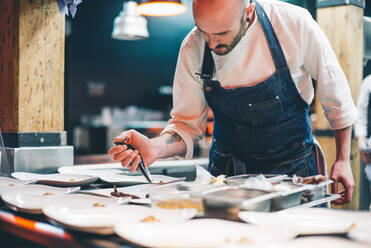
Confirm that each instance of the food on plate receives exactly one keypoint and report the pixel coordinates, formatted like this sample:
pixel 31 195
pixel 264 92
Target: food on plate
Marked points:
pixel 121 194
pixel 245 240
pixel 314 179
pixel 149 218
pixel 241 241
pixel 72 180
pixel 219 180
pixel 161 181
pixel 97 204
pixel 309 180
pixel 11 184
pixel 352 226
pixel 181 203
pixel 48 193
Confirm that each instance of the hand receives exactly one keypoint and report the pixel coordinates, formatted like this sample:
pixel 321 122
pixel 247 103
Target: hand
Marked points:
pixel 341 173
pixel 130 158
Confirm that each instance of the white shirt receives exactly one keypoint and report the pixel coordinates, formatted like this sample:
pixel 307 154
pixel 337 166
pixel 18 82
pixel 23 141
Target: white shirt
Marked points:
pixel 360 127
pixel 308 54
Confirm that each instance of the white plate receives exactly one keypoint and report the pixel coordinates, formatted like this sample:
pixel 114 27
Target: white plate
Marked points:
pixel 69 180
pixel 309 221
pixel 140 190
pixel 114 168
pixel 133 180
pixel 362 232
pixel 34 204
pixel 102 220
pixel 199 233
pixel 40 190
pixel 7 183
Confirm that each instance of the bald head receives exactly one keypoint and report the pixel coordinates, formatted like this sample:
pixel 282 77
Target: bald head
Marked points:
pixel 218 9
pixel 220 22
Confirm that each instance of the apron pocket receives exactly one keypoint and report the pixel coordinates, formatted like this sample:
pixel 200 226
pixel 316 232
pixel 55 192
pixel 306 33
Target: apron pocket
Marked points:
pixel 263 112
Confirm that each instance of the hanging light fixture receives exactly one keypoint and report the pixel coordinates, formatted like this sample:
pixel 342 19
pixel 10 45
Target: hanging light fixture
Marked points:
pixel 161 7
pixel 130 25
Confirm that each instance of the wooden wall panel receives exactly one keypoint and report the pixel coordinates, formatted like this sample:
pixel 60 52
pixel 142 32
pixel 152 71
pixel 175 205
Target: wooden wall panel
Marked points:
pixel 36 100
pixel 41 66
pixel 8 90
pixel 343 26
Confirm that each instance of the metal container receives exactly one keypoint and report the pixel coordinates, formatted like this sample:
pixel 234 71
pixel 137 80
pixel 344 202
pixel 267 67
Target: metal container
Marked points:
pixel 317 191
pixel 289 198
pixel 170 197
pixel 226 202
pixel 240 179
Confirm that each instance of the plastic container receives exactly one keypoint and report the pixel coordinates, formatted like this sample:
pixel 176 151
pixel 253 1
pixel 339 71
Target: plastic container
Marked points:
pixel 170 197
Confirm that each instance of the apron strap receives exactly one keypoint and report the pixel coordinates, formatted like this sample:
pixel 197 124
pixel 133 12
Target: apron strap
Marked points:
pixel 208 62
pixel 272 40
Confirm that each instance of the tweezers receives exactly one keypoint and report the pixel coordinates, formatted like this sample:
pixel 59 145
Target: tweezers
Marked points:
pixel 141 166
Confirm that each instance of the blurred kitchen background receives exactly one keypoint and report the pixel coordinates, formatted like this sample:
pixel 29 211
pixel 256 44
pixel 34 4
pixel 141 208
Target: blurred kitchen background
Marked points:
pixel 112 85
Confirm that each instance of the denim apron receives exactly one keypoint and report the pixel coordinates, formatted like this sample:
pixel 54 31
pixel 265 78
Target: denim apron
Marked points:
pixel 263 128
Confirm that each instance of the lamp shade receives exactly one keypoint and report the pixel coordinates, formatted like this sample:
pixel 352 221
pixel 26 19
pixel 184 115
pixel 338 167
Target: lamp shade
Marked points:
pixel 161 7
pixel 130 25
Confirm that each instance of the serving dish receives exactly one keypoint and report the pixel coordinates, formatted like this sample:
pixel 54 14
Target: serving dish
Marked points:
pixel 201 233
pixel 56 179
pixel 102 220
pixel 34 204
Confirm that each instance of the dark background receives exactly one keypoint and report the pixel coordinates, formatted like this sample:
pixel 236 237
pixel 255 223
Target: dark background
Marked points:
pixel 131 71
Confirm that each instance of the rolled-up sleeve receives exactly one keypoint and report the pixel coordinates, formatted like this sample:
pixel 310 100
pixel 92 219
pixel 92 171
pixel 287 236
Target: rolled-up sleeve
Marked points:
pixel 189 113
pixel 333 89
pixel 360 128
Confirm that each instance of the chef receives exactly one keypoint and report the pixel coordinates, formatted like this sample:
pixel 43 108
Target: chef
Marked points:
pixel 252 63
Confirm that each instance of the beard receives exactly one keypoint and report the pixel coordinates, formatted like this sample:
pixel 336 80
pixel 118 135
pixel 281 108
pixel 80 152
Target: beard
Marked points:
pixel 234 42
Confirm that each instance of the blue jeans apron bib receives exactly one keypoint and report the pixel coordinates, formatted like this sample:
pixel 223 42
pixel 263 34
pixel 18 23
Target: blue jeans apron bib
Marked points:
pixel 263 128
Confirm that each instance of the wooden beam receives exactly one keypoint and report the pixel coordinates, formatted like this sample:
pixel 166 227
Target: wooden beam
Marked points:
pixel 31 66
pixel 343 26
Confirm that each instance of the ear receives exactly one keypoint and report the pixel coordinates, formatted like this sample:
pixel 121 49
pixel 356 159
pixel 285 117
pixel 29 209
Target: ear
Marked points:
pixel 249 11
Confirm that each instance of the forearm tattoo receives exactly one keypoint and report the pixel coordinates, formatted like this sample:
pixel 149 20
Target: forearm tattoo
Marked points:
pixel 173 138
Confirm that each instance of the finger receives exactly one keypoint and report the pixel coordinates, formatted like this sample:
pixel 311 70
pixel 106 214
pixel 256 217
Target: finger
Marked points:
pixel 127 135
pixel 117 149
pixel 334 186
pixel 122 155
pixel 348 191
pixel 341 200
pixel 129 158
pixel 123 136
pixel 135 163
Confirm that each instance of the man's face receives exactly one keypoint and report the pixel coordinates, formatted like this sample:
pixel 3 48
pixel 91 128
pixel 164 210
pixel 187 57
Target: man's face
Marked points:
pixel 222 28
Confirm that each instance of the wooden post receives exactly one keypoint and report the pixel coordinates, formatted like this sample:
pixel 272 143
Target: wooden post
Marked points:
pixel 31 66
pixel 343 25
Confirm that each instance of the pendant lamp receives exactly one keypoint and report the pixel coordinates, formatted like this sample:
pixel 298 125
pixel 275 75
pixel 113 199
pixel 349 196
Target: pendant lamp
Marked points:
pixel 161 7
pixel 130 25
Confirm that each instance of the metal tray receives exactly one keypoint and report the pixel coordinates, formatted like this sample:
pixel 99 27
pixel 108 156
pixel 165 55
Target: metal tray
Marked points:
pixel 226 202
pixel 289 198
pixel 327 198
pixel 318 191
pixel 240 179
